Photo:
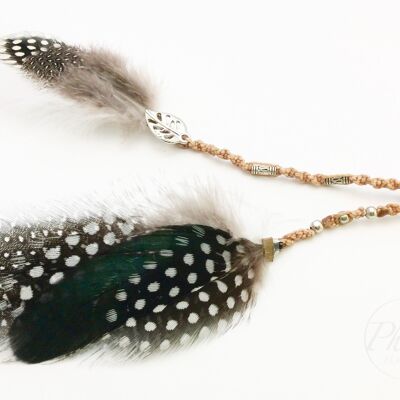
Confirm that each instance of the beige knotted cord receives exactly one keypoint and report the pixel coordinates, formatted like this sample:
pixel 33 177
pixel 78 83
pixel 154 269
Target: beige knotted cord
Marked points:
pixel 329 222
pixel 225 154
pixel 276 170
pixel 337 220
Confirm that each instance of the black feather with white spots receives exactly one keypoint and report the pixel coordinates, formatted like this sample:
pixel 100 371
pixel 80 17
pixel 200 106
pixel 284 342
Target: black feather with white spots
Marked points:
pixel 95 78
pixel 211 309
pixel 43 58
pixel 160 289
pixel 34 258
pixel 215 284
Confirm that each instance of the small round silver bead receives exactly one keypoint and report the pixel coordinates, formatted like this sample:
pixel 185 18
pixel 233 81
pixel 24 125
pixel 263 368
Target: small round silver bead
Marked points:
pixel 371 212
pixel 344 219
pixel 317 226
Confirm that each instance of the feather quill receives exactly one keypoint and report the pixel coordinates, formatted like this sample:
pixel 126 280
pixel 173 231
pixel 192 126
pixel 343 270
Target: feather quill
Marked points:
pixel 93 78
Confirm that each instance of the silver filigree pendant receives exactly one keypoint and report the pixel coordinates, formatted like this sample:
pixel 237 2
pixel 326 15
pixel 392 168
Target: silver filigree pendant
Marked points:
pixel 167 127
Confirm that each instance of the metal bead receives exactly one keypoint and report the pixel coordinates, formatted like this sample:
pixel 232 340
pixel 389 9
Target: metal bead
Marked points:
pixel 317 226
pixel 337 180
pixel 371 212
pixel 269 249
pixel 263 169
pixel 344 219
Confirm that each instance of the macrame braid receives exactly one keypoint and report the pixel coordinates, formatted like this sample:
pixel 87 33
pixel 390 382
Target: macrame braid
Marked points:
pixel 330 221
pixel 337 220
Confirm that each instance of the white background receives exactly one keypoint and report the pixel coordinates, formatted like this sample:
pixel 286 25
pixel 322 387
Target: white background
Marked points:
pixel 310 84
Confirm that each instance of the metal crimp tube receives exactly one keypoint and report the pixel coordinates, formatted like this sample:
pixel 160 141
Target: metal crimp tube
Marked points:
pixel 271 247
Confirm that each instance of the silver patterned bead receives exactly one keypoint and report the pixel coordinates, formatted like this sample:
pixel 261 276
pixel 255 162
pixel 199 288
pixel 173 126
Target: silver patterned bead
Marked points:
pixel 263 169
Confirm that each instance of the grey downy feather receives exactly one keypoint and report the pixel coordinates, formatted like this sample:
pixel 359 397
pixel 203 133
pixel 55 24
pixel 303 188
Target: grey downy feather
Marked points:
pixel 94 78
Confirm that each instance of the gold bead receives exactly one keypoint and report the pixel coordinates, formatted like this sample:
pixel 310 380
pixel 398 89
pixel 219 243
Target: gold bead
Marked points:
pixel 344 219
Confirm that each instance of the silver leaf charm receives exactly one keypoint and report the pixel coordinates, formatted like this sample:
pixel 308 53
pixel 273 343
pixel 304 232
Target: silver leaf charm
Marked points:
pixel 167 127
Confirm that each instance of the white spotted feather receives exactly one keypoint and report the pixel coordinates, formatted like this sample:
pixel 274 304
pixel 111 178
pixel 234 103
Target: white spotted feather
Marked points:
pixel 52 251
pixel 96 79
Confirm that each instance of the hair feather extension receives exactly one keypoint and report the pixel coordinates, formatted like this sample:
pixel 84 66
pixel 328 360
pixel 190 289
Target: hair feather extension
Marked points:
pixel 125 286
pixel 159 286
pixel 94 78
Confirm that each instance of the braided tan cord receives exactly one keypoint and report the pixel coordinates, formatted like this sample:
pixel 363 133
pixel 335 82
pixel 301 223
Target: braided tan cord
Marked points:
pixel 225 154
pixel 320 179
pixel 302 176
pixel 336 220
pixel 329 222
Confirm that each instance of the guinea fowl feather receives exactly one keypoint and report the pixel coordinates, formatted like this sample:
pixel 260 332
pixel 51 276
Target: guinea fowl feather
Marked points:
pixel 134 283
pixel 156 288
pixel 125 286
pixel 93 78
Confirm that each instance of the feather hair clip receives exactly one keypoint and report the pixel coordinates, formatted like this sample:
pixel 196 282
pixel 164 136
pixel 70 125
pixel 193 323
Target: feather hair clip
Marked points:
pixel 74 284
